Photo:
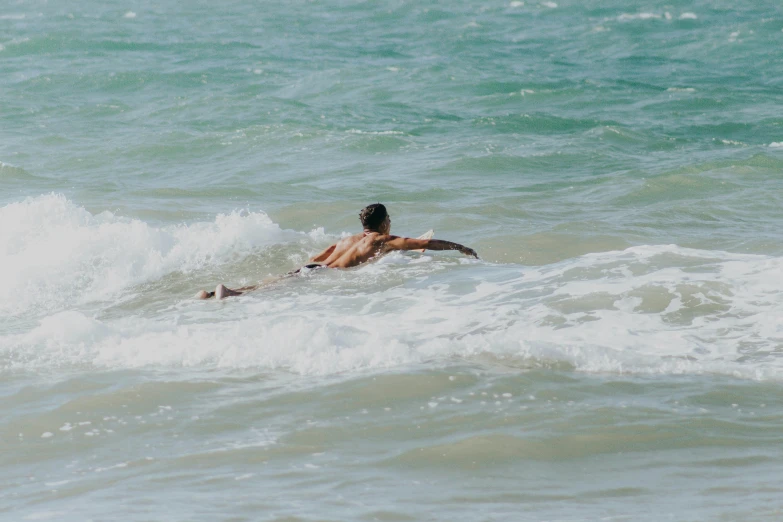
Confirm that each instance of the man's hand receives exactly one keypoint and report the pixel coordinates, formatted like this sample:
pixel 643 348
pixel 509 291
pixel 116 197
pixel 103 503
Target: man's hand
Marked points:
pixel 469 252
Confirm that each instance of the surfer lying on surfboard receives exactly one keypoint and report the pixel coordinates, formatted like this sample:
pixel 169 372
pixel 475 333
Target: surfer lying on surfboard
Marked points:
pixel 372 242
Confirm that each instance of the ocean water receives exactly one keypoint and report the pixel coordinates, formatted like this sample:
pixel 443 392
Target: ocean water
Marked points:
pixel 615 354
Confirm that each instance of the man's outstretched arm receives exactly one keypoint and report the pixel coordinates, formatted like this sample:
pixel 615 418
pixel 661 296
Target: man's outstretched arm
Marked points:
pixel 406 243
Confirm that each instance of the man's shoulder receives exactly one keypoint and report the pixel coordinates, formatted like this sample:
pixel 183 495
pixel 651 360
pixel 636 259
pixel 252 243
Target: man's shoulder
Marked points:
pixel 391 242
pixel 384 238
pixel 351 239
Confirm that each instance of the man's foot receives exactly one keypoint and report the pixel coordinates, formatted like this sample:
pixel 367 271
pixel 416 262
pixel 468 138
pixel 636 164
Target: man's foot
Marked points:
pixel 221 292
pixel 205 295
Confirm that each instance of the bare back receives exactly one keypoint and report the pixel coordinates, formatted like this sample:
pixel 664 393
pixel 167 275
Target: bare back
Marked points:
pixel 354 250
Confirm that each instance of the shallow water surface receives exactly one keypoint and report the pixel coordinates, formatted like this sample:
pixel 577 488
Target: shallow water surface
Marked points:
pixel 614 355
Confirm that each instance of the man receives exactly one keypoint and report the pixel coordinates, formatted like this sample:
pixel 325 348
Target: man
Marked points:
pixel 372 242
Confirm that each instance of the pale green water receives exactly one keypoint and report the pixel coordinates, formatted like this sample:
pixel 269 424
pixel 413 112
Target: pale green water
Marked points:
pixel 616 354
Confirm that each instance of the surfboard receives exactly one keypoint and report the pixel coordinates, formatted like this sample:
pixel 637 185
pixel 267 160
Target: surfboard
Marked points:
pixel 427 235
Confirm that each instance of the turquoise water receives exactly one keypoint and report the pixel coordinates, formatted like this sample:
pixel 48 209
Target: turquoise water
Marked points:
pixel 614 355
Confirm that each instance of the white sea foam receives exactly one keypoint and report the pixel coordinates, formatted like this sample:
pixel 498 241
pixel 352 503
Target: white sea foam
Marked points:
pixel 129 14
pixel 56 483
pixel 688 16
pixel 625 17
pixel 17 41
pixel 681 89
pixel 115 466
pixel 55 254
pixel 776 144
pixel 651 309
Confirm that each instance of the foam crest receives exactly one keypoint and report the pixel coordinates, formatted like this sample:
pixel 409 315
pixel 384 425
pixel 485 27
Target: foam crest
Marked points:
pixel 650 309
pixel 625 17
pixel 55 253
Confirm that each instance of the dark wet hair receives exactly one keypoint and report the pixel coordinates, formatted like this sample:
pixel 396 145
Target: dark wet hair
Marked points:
pixel 373 215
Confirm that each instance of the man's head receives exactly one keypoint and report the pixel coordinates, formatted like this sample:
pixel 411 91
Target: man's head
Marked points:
pixel 374 217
